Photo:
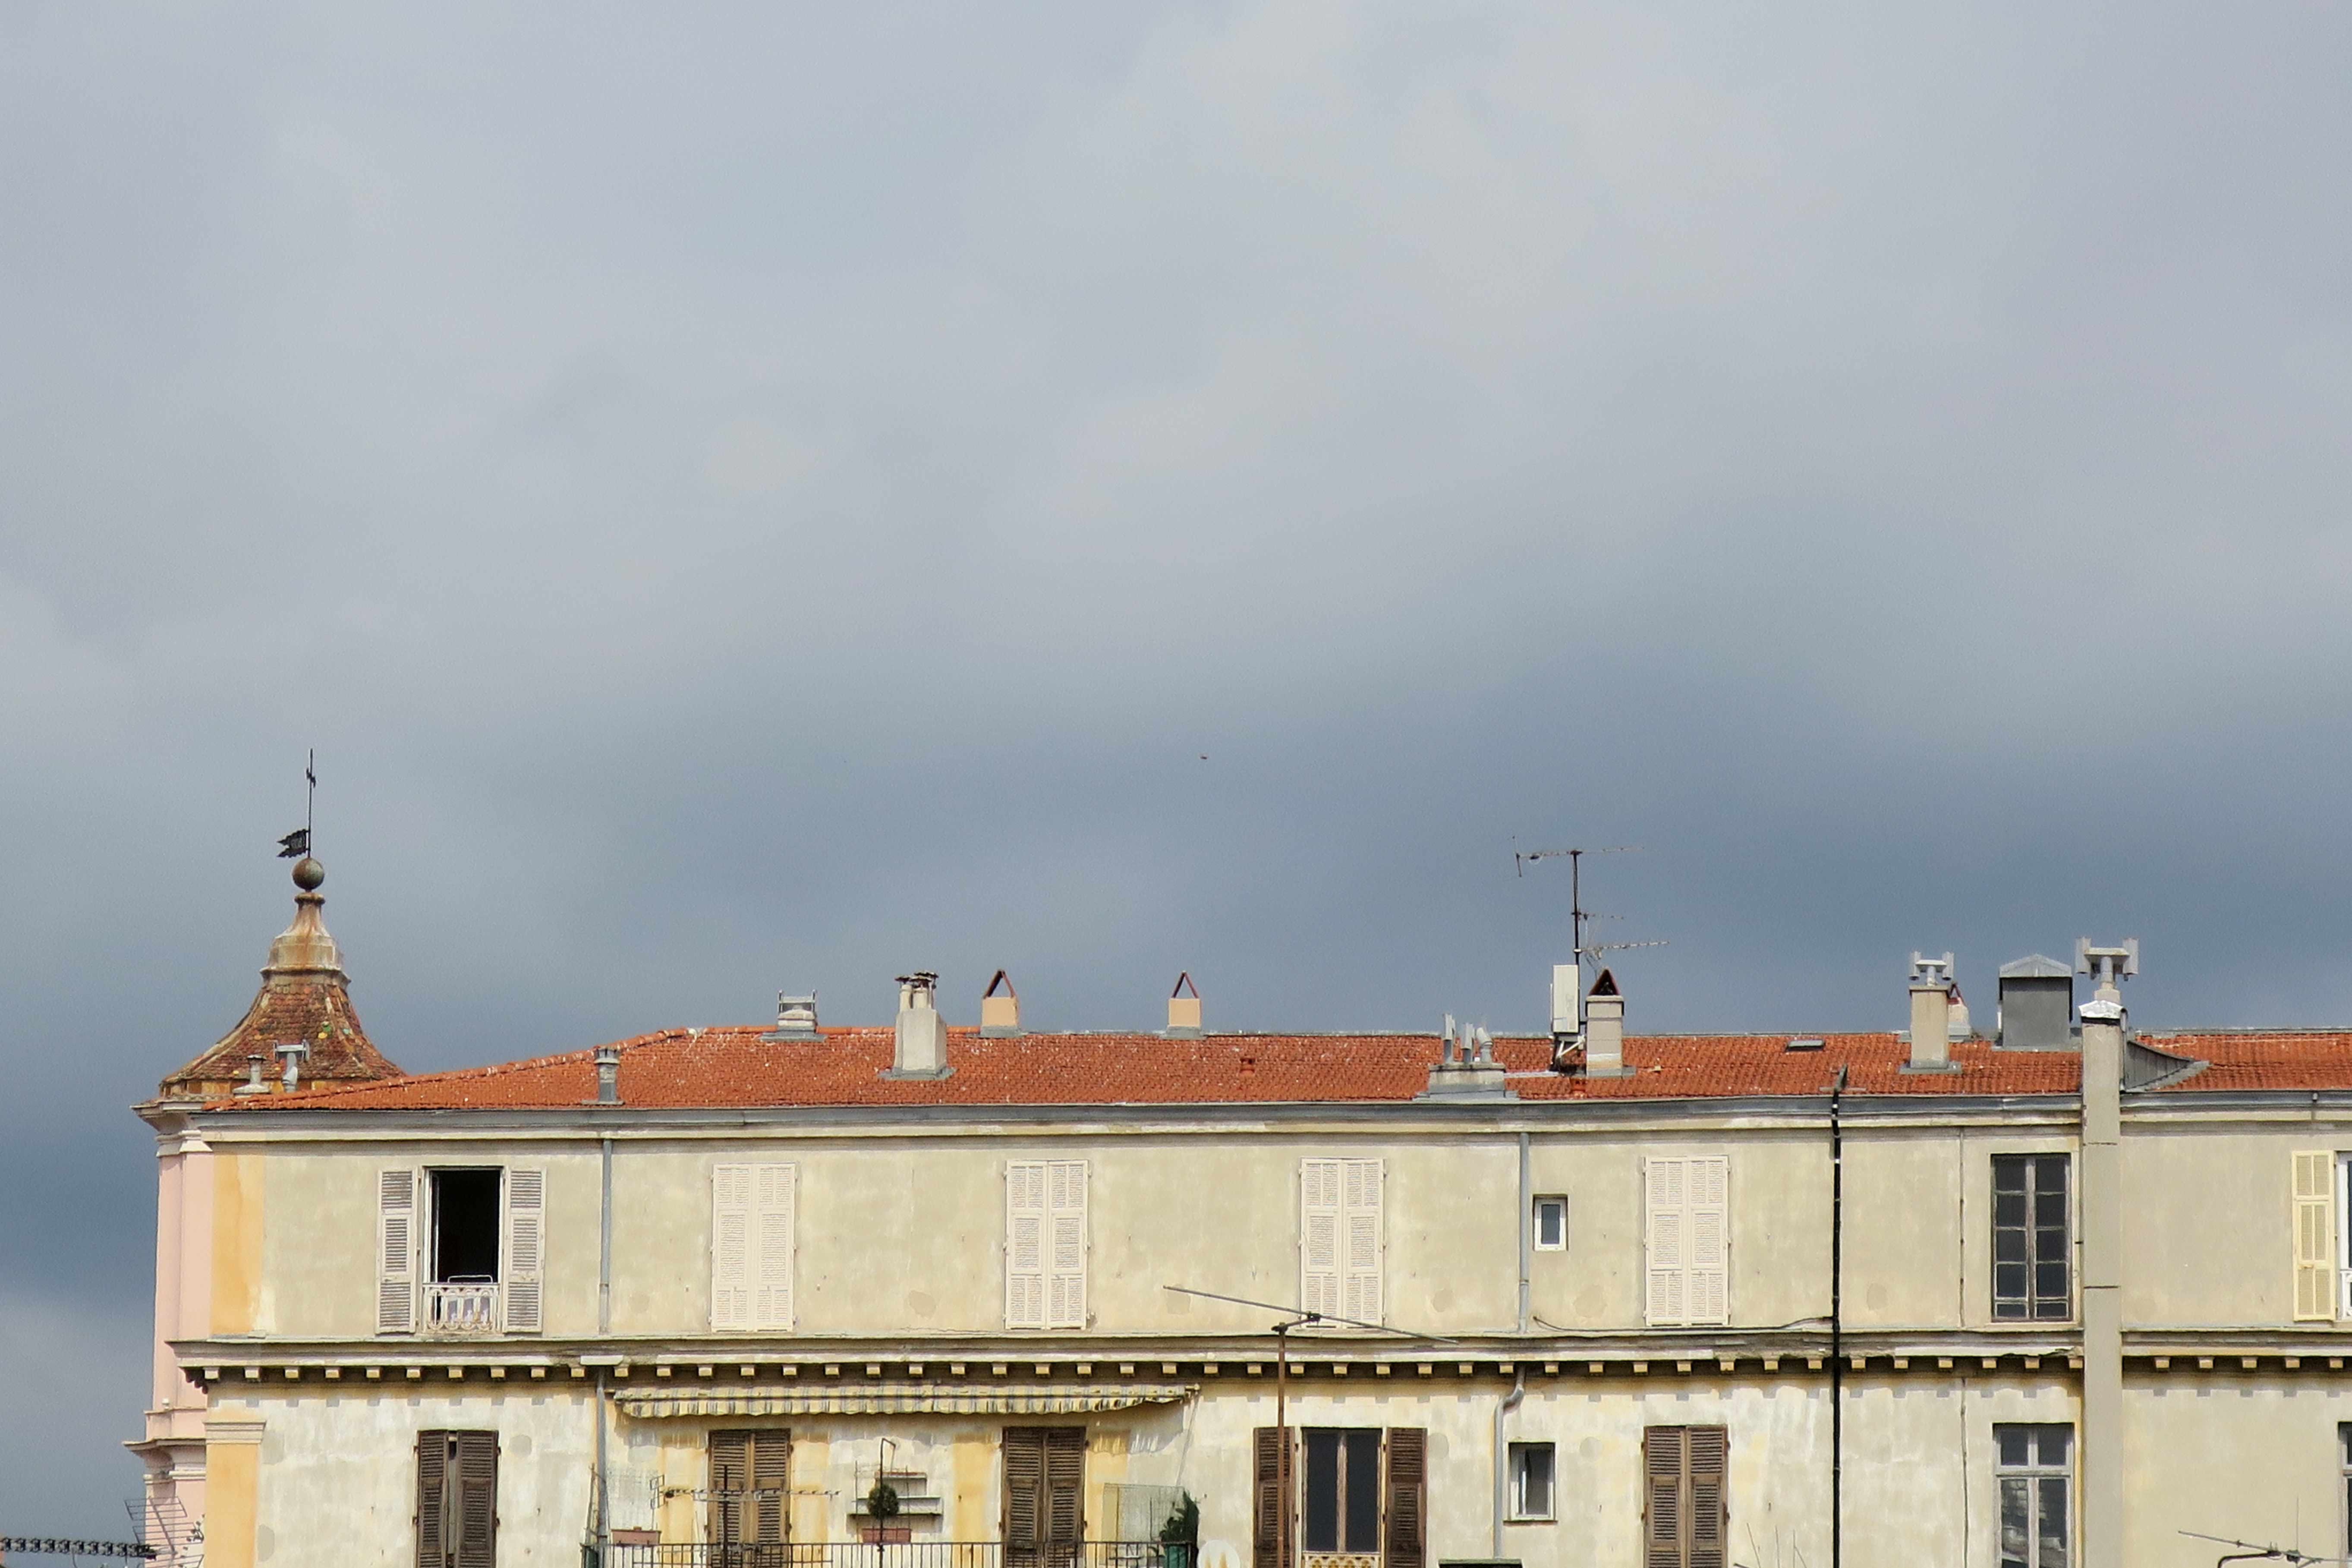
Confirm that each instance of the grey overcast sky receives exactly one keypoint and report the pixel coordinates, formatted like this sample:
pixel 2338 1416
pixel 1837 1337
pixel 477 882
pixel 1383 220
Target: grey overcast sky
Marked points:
pixel 745 496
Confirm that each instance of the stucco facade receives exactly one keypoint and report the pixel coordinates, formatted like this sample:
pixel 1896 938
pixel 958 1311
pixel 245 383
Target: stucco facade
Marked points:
pixel 293 1375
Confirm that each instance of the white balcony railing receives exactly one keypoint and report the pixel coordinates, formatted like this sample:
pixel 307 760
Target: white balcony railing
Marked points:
pixel 461 1306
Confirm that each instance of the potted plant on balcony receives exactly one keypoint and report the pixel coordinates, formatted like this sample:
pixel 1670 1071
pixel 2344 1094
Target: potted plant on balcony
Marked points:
pixel 1179 1536
pixel 881 1506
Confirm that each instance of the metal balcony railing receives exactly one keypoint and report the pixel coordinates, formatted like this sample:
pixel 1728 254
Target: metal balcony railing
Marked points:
pixel 461 1306
pixel 899 1554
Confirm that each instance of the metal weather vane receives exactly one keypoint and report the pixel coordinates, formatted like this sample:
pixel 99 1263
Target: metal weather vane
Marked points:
pixel 297 843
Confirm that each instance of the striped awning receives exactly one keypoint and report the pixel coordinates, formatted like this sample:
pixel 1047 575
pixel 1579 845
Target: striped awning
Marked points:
pixel 897 1399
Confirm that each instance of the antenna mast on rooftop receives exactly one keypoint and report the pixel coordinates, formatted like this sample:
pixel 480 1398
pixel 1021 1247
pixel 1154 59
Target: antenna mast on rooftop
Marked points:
pixel 1579 915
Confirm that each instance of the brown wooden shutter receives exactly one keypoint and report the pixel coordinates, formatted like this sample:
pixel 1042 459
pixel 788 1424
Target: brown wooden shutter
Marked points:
pixel 731 1467
pixel 772 1465
pixel 1266 1517
pixel 1664 1451
pixel 1065 1476
pixel 473 1459
pixel 1711 1453
pixel 1025 1478
pixel 1408 1490
pixel 431 1477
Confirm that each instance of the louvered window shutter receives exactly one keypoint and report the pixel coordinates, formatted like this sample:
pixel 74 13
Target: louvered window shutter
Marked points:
pixel 1663 1536
pixel 1065 1284
pixel 771 1273
pixel 1025 1478
pixel 730 1246
pixel 772 1469
pixel 1065 1476
pixel 2314 1235
pixel 395 1234
pixel 1024 1243
pixel 432 1481
pixel 1408 1497
pixel 730 1477
pixel 526 1241
pixel 1360 1283
pixel 474 1457
pixel 1665 1200
pixel 1266 1517
pixel 1707 1296
pixel 1709 1453
pixel 1319 1236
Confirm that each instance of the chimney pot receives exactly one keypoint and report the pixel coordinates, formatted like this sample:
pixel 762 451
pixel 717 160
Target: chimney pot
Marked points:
pixel 1184 1010
pixel 999 1016
pixel 1604 1030
pixel 795 1017
pixel 1931 1014
pixel 920 1048
pixel 608 1074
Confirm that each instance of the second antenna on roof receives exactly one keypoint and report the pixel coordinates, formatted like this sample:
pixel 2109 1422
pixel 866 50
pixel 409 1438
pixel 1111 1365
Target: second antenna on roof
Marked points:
pixel 1568 998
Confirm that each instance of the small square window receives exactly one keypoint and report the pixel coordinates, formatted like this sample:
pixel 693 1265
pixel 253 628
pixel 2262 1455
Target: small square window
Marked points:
pixel 1531 1480
pixel 1551 1225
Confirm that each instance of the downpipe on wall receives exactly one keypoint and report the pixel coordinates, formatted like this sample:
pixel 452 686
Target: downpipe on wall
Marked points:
pixel 1504 1407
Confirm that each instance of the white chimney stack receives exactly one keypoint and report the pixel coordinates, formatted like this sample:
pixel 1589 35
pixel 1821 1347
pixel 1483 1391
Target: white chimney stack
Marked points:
pixel 608 1074
pixel 1604 1030
pixel 1931 1014
pixel 922 1036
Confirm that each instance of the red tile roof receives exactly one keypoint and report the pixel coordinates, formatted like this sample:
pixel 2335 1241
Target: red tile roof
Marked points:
pixel 733 1067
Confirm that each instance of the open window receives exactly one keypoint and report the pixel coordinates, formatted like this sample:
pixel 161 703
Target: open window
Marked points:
pixel 1344 1497
pixel 468 1239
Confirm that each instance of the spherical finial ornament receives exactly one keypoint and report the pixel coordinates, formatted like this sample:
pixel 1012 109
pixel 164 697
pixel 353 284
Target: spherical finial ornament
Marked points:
pixel 309 874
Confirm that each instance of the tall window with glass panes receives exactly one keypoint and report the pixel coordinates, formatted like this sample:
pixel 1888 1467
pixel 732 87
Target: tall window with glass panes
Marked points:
pixel 2034 1468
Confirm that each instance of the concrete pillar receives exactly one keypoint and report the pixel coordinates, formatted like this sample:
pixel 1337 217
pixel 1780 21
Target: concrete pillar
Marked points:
pixel 2103 1337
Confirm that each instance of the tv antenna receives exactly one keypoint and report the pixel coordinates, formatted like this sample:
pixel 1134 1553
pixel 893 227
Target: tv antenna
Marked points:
pixel 2250 1553
pixel 1579 917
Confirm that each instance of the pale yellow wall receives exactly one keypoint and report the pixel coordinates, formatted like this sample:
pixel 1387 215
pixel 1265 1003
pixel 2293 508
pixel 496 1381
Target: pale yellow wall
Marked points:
pixel 238 1274
pixel 232 1480
pixel 904 1234
pixel 2209 1235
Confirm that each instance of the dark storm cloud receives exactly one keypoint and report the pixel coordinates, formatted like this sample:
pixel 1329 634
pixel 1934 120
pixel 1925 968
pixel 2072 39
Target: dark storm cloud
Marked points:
pixel 755 499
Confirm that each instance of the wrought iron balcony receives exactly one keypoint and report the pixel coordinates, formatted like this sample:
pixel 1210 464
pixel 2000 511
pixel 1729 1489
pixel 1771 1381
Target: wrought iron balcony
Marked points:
pixel 900 1554
pixel 460 1307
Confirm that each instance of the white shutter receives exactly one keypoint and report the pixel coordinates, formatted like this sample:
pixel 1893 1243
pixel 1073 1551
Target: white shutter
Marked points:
pixel 1360 1239
pixel 772 1272
pixel 1319 1236
pixel 2314 1235
pixel 1024 1243
pixel 1065 1278
pixel 1664 1187
pixel 526 1240
pixel 730 1246
pixel 395 1251
pixel 1709 1294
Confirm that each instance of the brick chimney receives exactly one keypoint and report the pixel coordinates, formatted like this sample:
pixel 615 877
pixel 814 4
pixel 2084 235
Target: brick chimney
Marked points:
pixel 1931 1014
pixel 1604 1030
pixel 922 1047
pixel 1000 1015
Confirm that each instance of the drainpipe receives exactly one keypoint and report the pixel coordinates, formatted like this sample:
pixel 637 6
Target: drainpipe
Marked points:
pixel 1837 1321
pixel 604 1519
pixel 2101 1197
pixel 1527 1235
pixel 604 1246
pixel 1504 1407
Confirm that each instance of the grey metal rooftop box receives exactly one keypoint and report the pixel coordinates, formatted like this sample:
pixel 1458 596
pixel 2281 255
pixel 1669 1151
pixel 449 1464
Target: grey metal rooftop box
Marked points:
pixel 2037 1004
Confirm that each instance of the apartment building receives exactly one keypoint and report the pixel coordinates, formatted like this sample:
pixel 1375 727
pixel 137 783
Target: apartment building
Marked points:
pixel 2043 1293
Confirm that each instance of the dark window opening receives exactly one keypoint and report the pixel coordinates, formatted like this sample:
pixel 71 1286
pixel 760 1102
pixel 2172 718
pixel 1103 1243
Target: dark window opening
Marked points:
pixel 2032 1246
pixel 464 1228
pixel 1343 1490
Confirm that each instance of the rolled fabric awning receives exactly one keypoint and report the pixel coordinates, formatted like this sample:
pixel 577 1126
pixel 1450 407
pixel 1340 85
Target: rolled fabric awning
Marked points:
pixel 896 1399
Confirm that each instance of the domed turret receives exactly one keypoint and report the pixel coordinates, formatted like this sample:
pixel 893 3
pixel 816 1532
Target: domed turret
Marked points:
pixel 304 1001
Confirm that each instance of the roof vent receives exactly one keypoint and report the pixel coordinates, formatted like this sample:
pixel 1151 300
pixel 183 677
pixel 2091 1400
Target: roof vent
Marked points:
pixel 1184 1009
pixel 1811 1043
pixel 921 1046
pixel 795 1017
pixel 999 1016
pixel 2037 1005
pixel 1466 1067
